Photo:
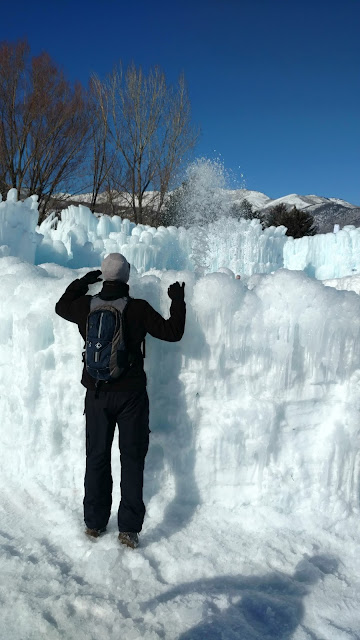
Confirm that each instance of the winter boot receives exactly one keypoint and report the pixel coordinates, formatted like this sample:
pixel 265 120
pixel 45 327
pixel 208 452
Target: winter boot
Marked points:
pixel 129 538
pixel 94 533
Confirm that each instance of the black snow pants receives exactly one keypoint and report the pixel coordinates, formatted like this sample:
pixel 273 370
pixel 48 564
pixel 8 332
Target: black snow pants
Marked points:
pixel 130 410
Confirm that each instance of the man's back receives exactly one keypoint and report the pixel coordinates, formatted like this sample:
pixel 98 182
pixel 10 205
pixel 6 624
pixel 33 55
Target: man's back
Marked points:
pixel 140 318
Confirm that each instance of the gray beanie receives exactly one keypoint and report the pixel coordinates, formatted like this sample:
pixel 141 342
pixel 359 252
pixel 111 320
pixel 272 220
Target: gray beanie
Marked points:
pixel 115 267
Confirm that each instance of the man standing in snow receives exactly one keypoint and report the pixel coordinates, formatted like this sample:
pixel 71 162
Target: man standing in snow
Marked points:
pixel 123 400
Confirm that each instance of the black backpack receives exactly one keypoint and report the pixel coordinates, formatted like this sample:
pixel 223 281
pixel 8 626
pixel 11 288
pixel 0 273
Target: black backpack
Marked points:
pixel 106 356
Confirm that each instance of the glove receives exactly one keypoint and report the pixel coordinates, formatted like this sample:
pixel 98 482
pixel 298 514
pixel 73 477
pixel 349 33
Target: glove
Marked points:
pixel 176 291
pixel 91 277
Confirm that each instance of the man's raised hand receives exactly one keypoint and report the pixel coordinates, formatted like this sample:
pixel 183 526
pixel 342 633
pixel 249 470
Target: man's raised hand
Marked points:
pixel 176 291
pixel 91 277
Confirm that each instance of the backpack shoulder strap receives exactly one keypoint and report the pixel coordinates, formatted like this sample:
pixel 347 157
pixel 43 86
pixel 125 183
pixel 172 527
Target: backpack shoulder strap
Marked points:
pixel 94 302
pixel 119 304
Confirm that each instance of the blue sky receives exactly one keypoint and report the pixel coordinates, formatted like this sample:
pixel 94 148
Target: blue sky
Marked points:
pixel 274 85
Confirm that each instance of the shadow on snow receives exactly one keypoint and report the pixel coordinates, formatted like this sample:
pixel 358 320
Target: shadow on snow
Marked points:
pixel 268 607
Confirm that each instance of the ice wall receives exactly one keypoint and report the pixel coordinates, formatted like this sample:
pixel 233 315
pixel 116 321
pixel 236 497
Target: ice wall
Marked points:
pixel 81 239
pixel 18 220
pixel 258 404
pixel 244 247
pixel 324 256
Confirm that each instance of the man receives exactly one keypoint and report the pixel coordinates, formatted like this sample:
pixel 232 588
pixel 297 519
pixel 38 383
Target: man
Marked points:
pixel 123 400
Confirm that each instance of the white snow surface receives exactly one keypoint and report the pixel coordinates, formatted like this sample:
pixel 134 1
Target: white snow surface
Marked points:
pixel 251 480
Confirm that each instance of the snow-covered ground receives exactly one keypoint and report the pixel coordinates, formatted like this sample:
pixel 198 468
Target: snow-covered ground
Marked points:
pixel 252 477
pixel 250 576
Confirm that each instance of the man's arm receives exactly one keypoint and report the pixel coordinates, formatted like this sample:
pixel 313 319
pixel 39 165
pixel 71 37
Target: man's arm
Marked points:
pixel 70 306
pixel 172 329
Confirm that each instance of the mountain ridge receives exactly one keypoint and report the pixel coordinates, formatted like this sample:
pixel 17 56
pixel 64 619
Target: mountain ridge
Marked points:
pixel 326 211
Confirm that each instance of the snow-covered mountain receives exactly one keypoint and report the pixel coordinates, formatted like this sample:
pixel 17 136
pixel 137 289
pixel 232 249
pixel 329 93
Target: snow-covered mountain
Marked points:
pixel 257 199
pixel 328 214
pixel 261 201
pixel 326 211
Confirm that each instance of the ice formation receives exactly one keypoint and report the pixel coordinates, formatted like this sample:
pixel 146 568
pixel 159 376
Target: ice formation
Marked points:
pixel 18 220
pixel 81 239
pixel 252 477
pixel 325 256
pixel 262 398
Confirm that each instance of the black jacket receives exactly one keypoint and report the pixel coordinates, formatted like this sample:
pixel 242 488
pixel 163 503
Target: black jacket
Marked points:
pixel 140 319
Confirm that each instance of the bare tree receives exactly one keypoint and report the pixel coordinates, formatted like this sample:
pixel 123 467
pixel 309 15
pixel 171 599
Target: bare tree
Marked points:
pixel 44 124
pixel 12 135
pixel 103 154
pixel 178 138
pixel 151 134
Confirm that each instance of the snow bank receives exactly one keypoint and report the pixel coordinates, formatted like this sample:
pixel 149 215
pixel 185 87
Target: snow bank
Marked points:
pixel 257 405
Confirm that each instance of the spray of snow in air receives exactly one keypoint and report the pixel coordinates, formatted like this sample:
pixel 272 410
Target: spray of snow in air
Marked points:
pixel 202 200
